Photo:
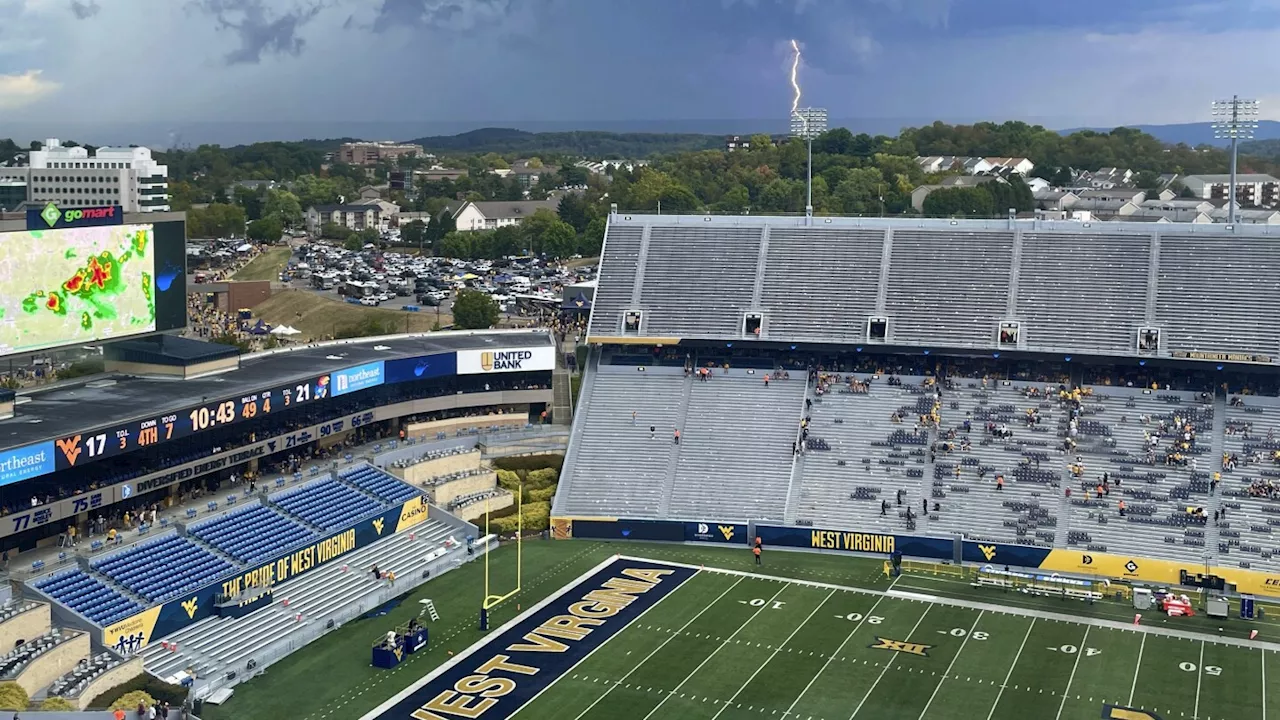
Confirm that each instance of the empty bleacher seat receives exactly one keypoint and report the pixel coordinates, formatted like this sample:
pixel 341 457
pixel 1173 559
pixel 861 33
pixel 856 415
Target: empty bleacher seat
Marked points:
pixel 88 596
pixel 327 504
pixel 163 568
pixel 252 534
pixel 378 482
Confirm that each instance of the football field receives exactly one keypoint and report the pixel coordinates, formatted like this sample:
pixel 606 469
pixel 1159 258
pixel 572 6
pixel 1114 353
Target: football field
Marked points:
pixel 733 644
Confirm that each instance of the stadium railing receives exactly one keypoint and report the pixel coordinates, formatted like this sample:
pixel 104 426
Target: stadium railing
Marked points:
pixel 315 627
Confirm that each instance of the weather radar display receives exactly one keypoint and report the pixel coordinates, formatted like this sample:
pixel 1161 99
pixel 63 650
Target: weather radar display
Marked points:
pixel 75 285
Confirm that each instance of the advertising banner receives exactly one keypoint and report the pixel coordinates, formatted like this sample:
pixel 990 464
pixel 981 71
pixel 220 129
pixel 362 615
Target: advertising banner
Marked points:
pixel 52 217
pixel 356 378
pixel 135 632
pixel 483 362
pixel 420 368
pixel 731 533
pixel 26 462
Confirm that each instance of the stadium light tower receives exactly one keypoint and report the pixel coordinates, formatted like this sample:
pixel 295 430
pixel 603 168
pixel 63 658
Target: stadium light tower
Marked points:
pixel 1235 120
pixel 808 123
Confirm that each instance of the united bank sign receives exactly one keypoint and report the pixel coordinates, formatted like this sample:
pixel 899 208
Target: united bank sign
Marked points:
pixel 483 362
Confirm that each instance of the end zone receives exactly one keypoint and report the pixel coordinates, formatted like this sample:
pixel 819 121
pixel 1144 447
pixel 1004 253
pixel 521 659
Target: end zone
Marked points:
pixel 501 673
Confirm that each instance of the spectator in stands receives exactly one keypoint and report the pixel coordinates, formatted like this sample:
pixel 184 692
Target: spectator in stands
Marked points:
pixel 1121 508
pixel 377 574
pixel 675 437
pixel 884 508
pixel 653 430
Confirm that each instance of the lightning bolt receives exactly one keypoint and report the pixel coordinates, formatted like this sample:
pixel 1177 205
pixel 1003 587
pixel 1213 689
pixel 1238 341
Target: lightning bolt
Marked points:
pixel 795 66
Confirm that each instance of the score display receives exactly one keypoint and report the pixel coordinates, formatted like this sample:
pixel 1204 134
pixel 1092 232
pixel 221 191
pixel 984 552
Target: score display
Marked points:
pixel 74 450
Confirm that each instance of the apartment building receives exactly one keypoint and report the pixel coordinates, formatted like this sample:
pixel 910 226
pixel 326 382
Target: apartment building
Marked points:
pixel 1252 189
pixel 371 153
pixel 73 177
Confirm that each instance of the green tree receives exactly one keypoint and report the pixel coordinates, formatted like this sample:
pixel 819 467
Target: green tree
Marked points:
pixel 334 231
pixel 268 229
pixel 250 200
pixel 474 310
pixel 592 240
pixel 557 241
pixel 414 233
pixel 283 205
pixel 968 201
pixel 575 210
pixel 216 220
pixel 354 243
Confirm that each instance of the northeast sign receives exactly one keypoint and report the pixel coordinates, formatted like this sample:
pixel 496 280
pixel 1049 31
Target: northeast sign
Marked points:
pixel 52 217
pixel 484 362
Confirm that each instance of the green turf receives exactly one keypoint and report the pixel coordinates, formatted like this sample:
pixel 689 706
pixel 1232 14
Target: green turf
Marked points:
pixel 728 646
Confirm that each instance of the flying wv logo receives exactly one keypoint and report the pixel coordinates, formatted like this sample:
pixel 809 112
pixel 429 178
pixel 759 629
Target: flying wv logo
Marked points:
pixel 988 551
pixel 378 525
pixel 190 606
pixel 727 532
pixel 70 447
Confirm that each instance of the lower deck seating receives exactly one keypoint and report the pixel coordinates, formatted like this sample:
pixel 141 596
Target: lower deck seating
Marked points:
pixel 251 534
pixel 88 596
pixel 164 568
pixel 327 504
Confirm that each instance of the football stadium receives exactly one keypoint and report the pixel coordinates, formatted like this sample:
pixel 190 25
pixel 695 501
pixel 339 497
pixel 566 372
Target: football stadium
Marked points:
pixel 817 468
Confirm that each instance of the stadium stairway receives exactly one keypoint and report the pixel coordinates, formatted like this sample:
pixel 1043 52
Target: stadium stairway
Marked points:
pixel 1211 534
pixel 215 646
pixel 673 460
pixel 794 483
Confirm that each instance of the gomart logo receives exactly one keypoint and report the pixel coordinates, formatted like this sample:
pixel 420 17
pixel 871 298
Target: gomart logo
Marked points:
pixel 504 360
pixel 52 215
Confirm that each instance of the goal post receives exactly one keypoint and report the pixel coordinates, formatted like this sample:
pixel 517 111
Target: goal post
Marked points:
pixel 491 599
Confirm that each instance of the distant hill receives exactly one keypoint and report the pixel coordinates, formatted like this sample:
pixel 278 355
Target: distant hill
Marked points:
pixel 591 143
pixel 1269 149
pixel 1191 133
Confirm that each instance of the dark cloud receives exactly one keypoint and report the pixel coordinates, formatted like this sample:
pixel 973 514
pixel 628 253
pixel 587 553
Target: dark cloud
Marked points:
pixel 84 10
pixel 261 31
pixel 451 14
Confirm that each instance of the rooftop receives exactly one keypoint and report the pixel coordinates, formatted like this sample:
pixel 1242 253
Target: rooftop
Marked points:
pixel 50 413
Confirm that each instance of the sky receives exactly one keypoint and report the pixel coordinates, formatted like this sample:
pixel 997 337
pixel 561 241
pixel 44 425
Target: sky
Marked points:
pixel 315 67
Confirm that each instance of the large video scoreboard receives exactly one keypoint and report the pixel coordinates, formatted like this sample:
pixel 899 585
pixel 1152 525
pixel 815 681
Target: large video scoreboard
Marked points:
pixel 73 450
pixel 85 276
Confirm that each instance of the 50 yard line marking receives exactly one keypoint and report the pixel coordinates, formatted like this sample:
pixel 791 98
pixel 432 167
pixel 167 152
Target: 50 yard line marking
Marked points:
pixel 1199 676
pixel 1079 652
pixel 951 664
pixel 775 654
pixel 1011 667
pixel 1134 687
pixel 669 638
pixel 707 659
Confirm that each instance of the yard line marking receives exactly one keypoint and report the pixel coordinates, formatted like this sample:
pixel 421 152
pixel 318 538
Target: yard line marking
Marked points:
pixel 1134 687
pixel 775 654
pixel 887 666
pixel 951 665
pixel 669 638
pixel 1080 652
pixel 593 650
pixel 1011 667
pixel 849 637
pixel 1264 685
pixel 1199 676
pixel 707 659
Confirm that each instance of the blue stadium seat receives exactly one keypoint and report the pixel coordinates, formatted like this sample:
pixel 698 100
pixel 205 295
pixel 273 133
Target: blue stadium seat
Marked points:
pixel 163 568
pixel 328 504
pixel 252 534
pixel 88 596
pixel 380 483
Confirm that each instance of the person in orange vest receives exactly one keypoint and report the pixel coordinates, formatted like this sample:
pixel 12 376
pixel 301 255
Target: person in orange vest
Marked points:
pixel 766 379
pixel 756 551
pixel 1121 508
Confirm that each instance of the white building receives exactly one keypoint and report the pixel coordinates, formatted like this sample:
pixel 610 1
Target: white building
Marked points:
pixel 1252 190
pixel 491 215
pixel 71 177
pixel 808 122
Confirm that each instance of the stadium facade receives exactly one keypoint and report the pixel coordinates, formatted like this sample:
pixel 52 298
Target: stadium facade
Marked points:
pixel 958 390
